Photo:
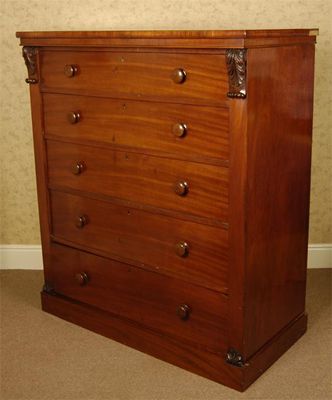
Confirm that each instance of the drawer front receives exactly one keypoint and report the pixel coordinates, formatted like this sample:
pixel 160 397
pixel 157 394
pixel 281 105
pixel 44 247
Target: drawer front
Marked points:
pixel 186 131
pixel 153 300
pixel 193 188
pixel 136 75
pixel 188 250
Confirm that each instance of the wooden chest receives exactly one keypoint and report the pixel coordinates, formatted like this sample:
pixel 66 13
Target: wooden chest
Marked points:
pixel 173 175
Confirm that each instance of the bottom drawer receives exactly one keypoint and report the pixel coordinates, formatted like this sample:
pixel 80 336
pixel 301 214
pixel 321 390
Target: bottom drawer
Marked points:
pixel 167 305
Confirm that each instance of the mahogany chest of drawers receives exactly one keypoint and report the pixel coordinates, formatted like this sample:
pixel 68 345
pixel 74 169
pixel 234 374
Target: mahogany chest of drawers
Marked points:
pixel 173 176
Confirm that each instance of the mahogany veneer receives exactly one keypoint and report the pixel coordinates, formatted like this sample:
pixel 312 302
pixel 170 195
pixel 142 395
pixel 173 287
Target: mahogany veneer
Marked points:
pixel 173 177
pixel 141 178
pixel 123 125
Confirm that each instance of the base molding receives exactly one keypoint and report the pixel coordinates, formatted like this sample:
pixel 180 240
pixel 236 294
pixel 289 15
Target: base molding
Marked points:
pixel 17 256
pixel 207 364
pixel 274 349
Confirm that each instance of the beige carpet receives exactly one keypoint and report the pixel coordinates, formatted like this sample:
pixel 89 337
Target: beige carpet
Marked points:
pixel 46 358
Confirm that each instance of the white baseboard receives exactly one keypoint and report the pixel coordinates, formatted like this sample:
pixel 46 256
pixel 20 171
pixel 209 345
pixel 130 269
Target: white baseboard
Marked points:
pixel 20 256
pixel 15 256
pixel 320 255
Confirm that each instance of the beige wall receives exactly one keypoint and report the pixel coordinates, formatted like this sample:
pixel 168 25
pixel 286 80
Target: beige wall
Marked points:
pixel 19 218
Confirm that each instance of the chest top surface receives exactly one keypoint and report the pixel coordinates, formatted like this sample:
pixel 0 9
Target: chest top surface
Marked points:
pixel 175 38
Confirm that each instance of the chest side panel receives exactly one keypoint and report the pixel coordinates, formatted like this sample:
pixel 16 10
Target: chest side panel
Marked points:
pixel 279 156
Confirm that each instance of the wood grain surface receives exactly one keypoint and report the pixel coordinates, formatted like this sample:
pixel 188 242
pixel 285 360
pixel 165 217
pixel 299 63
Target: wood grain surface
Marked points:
pixel 208 364
pixel 177 352
pixel 172 34
pixel 177 39
pixel 139 76
pixel 146 297
pixel 148 238
pixel 141 178
pixel 278 189
pixel 145 127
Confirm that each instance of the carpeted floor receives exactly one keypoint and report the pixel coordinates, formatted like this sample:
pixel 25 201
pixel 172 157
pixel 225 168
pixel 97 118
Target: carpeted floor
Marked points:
pixel 46 358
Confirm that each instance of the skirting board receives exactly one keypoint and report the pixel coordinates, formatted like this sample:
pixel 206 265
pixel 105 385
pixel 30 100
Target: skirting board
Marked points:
pixel 30 256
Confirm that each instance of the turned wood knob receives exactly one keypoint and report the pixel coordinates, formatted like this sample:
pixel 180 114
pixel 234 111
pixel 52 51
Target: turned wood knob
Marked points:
pixel 78 168
pixel 179 130
pixel 179 75
pixel 82 278
pixel 181 188
pixel 73 117
pixel 81 221
pixel 182 249
pixel 70 70
pixel 183 311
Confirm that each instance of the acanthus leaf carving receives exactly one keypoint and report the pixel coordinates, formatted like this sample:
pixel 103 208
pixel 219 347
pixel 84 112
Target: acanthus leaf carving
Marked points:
pixel 236 61
pixel 233 357
pixel 30 58
pixel 48 288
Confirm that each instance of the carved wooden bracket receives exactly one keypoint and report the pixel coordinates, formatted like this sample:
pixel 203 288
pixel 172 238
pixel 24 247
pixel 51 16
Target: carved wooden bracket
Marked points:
pixel 30 58
pixel 235 358
pixel 48 288
pixel 236 61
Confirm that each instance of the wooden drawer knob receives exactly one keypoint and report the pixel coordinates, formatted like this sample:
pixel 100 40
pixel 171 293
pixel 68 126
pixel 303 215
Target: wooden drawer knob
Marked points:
pixel 183 311
pixel 78 168
pixel 182 249
pixel 181 188
pixel 81 221
pixel 82 278
pixel 73 117
pixel 179 75
pixel 70 70
pixel 179 130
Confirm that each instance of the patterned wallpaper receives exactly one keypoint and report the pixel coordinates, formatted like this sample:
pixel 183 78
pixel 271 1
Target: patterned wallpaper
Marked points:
pixel 19 215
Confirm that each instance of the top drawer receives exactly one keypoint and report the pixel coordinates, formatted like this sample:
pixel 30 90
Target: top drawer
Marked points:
pixel 136 75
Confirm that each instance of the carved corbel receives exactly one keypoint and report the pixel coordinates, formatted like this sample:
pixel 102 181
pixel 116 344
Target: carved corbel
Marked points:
pixel 236 61
pixel 233 357
pixel 30 58
pixel 48 288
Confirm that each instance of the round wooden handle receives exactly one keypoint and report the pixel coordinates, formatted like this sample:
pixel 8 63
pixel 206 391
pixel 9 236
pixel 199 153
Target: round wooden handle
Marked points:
pixel 182 249
pixel 179 129
pixel 78 168
pixel 181 188
pixel 81 221
pixel 179 75
pixel 73 117
pixel 70 70
pixel 82 278
pixel 183 311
